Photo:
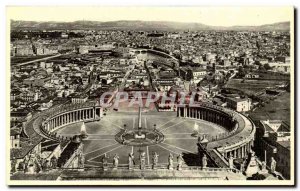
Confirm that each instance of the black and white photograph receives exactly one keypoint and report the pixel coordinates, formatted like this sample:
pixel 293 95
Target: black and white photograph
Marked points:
pixel 102 95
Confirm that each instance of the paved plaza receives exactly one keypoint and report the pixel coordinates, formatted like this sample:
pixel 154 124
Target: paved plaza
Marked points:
pixel 177 137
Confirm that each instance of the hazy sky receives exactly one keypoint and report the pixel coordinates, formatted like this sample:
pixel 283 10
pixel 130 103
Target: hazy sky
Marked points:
pixel 217 16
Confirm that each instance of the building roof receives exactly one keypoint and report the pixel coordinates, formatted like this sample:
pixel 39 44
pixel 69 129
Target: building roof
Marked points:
pixel 284 127
pixel 15 131
pixel 234 99
pixel 285 144
pixel 198 70
pixel 81 96
pixel 19 113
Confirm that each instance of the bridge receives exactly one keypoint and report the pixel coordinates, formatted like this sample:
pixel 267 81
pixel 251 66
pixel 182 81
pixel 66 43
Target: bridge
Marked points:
pixel 140 50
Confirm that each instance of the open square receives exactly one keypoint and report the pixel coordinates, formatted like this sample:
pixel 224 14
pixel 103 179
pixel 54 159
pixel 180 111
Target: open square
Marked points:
pixel 177 137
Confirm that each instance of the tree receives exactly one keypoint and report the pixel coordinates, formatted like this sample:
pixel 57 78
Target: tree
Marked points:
pixel 241 71
pixel 267 66
pixel 261 67
pixel 257 62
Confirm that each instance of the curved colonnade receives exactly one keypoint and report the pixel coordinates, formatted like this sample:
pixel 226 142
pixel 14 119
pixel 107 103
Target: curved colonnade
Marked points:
pixel 53 119
pixel 237 142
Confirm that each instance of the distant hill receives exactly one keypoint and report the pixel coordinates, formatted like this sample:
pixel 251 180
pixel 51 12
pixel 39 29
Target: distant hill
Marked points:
pixel 281 26
pixel 140 25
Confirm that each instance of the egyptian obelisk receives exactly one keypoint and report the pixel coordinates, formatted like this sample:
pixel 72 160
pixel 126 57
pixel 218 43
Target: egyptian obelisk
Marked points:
pixel 140 119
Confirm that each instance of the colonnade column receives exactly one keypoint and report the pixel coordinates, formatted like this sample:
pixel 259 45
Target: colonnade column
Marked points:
pixel 249 145
pixel 242 151
pixel 207 115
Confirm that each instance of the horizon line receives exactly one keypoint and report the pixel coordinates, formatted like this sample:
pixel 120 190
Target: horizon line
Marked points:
pixel 152 21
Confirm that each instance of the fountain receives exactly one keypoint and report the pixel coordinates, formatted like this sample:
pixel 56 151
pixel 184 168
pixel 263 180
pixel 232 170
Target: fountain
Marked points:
pixel 196 130
pixel 83 133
